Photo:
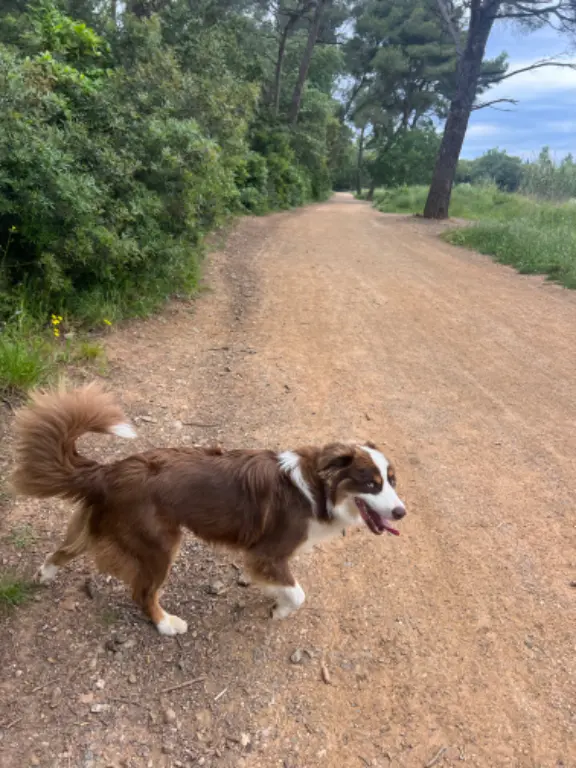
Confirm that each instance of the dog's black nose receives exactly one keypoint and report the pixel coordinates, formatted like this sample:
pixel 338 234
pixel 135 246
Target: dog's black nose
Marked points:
pixel 398 513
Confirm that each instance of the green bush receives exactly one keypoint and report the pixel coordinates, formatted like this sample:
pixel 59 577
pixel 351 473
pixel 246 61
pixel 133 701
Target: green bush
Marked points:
pixel 122 145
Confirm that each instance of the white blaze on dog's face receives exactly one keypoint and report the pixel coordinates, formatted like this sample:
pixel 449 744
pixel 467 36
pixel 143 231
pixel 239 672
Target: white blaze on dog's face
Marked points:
pixel 366 490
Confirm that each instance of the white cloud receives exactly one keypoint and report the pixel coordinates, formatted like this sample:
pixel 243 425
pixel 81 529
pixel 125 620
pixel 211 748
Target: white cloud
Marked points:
pixel 536 84
pixel 479 130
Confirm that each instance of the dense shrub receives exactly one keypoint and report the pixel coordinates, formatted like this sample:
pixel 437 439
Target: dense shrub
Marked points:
pixel 121 145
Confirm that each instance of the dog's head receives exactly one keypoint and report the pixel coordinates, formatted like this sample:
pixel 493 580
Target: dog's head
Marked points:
pixel 360 485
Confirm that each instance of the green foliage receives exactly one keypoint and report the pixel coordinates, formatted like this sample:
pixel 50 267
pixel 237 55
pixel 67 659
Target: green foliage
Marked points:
pixel 14 590
pixel 505 170
pixel 407 160
pixel 468 202
pixel 549 180
pixel 542 241
pixel 24 363
pixel 123 144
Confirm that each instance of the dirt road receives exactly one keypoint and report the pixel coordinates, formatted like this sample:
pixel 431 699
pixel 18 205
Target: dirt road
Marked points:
pixel 454 643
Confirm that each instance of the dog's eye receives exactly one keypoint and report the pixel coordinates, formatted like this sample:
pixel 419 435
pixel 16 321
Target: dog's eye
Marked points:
pixel 392 480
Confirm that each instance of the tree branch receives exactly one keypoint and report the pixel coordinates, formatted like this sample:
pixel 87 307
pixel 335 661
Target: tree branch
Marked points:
pixel 536 65
pixel 442 7
pixel 484 104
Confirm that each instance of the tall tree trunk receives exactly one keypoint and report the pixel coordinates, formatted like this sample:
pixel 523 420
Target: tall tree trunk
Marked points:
pixel 371 190
pixel 482 17
pixel 305 63
pixel 359 162
pixel 279 63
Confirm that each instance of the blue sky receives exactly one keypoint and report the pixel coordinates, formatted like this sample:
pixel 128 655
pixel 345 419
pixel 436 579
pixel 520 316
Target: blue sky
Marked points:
pixel 546 109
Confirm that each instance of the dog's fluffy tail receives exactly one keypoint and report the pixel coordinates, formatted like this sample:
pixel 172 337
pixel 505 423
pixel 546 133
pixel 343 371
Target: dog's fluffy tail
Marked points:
pixel 47 463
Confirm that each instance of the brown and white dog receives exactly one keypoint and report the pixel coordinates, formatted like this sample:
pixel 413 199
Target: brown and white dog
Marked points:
pixel 131 513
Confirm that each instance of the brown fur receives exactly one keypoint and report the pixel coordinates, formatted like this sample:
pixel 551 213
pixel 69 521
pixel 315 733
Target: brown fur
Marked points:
pixel 132 511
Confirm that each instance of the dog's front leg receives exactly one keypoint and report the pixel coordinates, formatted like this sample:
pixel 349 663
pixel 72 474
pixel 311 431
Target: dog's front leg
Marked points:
pixel 275 579
pixel 288 599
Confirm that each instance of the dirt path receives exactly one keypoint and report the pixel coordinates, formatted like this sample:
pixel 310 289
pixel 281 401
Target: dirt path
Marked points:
pixel 455 641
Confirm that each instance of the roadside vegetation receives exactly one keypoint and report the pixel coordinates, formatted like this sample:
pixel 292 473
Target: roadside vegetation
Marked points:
pixel 532 229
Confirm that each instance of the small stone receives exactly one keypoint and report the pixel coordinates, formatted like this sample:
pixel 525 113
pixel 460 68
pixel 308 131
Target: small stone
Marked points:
pixel 297 656
pixel 149 419
pixel 86 698
pixel 243 580
pixel 34 760
pixel 97 709
pixel 245 739
pixel 169 716
pixel 132 679
pixel 100 684
pixel 573 583
pixel 216 588
pixel 69 604
pixel 55 699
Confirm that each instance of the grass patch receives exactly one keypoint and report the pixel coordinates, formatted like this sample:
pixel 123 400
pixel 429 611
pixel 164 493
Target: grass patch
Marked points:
pixel 14 590
pixel 22 536
pixel 24 363
pixel 33 352
pixel 537 238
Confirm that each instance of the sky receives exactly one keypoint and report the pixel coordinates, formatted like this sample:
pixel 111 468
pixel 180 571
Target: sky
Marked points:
pixel 546 109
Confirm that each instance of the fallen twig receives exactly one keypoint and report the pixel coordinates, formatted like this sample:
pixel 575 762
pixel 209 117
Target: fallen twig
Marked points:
pixel 10 724
pixel 184 684
pixel 197 424
pixel 325 674
pixel 39 687
pixel 436 757
pixel 219 696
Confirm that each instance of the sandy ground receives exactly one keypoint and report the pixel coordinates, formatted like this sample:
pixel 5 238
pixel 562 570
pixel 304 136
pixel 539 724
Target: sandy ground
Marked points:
pixel 454 643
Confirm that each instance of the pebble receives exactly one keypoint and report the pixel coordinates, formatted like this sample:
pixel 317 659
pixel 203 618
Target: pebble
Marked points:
pixel 97 709
pixel 169 716
pixel 243 580
pixel 216 588
pixel 296 657
pixel 132 679
pixel 100 684
pixel 56 696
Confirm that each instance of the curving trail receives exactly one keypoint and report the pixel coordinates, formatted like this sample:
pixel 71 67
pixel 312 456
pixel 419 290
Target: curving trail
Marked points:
pixel 455 641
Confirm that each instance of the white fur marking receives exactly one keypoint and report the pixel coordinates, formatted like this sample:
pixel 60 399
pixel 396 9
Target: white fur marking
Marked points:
pixel 47 572
pixel 290 463
pixel 387 500
pixel 288 600
pixel 170 625
pixel 319 531
pixel 123 430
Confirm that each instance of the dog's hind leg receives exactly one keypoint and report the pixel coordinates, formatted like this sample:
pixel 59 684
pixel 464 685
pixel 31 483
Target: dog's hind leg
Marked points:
pixel 76 542
pixel 146 587
pixel 275 579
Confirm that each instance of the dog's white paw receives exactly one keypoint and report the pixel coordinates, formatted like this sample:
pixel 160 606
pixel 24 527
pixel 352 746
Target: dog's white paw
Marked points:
pixel 288 600
pixel 280 612
pixel 46 573
pixel 171 625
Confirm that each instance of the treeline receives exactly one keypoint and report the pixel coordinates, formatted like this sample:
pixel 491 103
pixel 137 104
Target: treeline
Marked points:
pixel 542 177
pixel 129 130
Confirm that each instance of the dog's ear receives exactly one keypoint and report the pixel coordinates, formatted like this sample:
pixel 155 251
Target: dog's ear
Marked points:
pixel 335 456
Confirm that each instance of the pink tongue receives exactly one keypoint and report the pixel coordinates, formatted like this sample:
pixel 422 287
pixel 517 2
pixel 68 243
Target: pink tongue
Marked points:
pixel 391 530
